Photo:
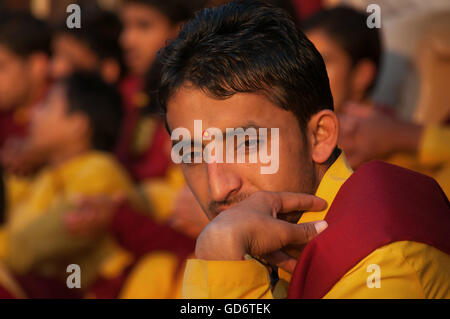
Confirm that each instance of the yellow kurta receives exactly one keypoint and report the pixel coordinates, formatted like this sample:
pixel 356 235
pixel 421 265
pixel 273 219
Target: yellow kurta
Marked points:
pixel 432 157
pixel 408 269
pixel 34 239
pixel 158 275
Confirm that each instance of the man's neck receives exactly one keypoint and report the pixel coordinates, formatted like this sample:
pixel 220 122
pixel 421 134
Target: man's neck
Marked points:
pixel 323 168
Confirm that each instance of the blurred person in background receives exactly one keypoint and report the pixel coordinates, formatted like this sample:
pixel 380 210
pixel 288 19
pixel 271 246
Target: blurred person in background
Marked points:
pixel 145 146
pixel 94 47
pixel 368 134
pixel 24 64
pixel 76 127
pixel 147 25
pixel 351 52
pixel 160 251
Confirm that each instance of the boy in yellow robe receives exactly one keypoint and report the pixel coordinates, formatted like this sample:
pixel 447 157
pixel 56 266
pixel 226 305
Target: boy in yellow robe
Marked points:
pixel 76 127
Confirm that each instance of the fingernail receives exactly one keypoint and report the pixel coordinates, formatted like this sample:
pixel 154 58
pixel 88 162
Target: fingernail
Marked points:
pixel 320 226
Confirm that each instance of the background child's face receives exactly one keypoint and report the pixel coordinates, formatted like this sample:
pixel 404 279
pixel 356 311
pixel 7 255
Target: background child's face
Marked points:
pixel 14 80
pixel 145 31
pixel 53 129
pixel 70 54
pixel 338 64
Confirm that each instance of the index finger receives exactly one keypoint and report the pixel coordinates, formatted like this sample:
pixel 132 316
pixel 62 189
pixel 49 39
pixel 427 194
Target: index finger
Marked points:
pixel 300 201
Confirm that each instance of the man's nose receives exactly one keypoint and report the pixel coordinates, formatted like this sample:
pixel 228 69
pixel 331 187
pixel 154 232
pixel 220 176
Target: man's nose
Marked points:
pixel 223 182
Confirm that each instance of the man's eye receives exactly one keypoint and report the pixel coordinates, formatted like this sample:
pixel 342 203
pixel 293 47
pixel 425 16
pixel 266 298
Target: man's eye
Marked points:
pixel 249 144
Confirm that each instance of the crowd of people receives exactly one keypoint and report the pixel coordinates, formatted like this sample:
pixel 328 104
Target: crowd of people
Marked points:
pixel 85 154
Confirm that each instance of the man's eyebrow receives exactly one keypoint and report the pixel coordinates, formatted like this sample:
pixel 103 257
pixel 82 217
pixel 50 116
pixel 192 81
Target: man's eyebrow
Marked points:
pixel 247 125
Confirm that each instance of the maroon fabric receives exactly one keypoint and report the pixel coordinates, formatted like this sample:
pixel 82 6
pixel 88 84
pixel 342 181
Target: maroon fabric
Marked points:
pixel 140 234
pixel 128 89
pixel 154 161
pixel 40 287
pixel 5 294
pixel 379 204
pixel 307 8
pixel 10 128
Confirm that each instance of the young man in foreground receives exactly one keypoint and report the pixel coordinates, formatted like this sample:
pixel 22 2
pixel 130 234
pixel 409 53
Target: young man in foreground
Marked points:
pixel 244 65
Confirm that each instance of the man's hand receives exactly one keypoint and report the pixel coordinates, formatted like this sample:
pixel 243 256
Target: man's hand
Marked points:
pixel 251 227
pixel 92 215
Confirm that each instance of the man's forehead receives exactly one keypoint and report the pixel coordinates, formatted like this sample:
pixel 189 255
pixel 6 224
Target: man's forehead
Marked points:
pixel 240 110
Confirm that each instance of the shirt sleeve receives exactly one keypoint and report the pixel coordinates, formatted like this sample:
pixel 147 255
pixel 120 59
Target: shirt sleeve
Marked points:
pixel 246 279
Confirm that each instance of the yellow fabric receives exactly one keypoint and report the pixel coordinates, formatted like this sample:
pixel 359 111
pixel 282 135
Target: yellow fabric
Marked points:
pixel 432 158
pixel 408 269
pixel 8 282
pixel 161 193
pixel 34 231
pixel 226 279
pixel 156 276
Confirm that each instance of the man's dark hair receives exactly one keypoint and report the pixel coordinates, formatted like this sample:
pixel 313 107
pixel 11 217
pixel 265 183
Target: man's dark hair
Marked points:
pixel 100 31
pixel 246 47
pixel 23 34
pixel 87 93
pixel 177 11
pixel 348 27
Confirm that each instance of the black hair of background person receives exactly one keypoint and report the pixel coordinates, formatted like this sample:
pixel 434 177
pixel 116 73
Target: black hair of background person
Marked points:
pixel 243 47
pixel 286 5
pixel 24 34
pixel 88 94
pixel 177 11
pixel 100 31
pixel 348 27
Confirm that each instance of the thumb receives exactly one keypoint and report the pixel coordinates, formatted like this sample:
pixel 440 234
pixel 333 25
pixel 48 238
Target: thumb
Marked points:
pixel 303 233
pixel 281 260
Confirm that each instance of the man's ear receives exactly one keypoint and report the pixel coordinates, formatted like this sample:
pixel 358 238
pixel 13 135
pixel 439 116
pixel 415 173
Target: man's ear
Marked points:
pixel 323 133
pixel 363 75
